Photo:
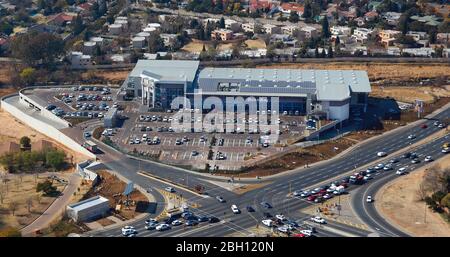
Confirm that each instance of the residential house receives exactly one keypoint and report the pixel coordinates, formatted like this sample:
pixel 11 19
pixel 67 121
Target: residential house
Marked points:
pixel 393 50
pixel 289 29
pixel 430 20
pixel 361 34
pixel 271 29
pixel 169 39
pixel 232 25
pixel 250 27
pixel 370 16
pixel 419 52
pixel 61 19
pixel 388 36
pixel 222 34
pixel 260 5
pixel 341 30
pixel 309 32
pixel 288 8
pixel 79 60
pixel 392 18
pixel 443 38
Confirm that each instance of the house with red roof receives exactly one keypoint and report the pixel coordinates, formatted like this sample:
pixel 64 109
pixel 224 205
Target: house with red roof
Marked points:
pixel 61 19
pixel 370 16
pixel 260 4
pixel 292 7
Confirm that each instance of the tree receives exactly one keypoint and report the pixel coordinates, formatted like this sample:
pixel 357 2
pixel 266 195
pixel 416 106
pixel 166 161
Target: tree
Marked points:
pixel 316 53
pixel 55 159
pixel 323 54
pixel 307 12
pixel 156 44
pixel 13 207
pixel 95 10
pixel 29 204
pixel 222 23
pixel 330 52
pixel 25 142
pixel 325 28
pixel 338 40
pixel 445 202
pixel 46 187
pixel 78 25
pixel 6 28
pixel 28 76
pixel 293 17
pixel 35 47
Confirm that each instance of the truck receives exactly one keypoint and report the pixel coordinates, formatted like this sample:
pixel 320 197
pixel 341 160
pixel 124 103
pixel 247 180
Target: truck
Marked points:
pixel 90 146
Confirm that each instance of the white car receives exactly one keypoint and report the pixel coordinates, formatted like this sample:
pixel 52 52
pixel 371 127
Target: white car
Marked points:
pixel 381 154
pixel 411 136
pixel 169 189
pixel 176 223
pixel 306 232
pixel 379 166
pixel 235 209
pixel 319 220
pixel 445 150
pixel 280 217
pixel 367 177
pixel 428 159
pixel 387 167
pixel 283 229
pixel 369 199
pixel 162 227
pixel 267 223
pixel 128 230
pixel 401 171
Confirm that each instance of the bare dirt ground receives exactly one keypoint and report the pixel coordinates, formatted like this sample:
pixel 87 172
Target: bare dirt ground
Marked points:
pixel 378 71
pixel 249 187
pixel 409 94
pixel 20 191
pixel 111 76
pixel 12 129
pixel 195 46
pixel 112 187
pixel 255 44
pixel 399 203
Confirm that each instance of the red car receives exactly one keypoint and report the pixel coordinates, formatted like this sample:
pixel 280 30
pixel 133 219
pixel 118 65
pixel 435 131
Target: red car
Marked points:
pixel 299 235
pixel 311 198
pixel 424 126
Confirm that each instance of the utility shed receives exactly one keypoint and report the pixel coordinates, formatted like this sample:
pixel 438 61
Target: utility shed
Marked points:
pixel 88 209
pixel 110 120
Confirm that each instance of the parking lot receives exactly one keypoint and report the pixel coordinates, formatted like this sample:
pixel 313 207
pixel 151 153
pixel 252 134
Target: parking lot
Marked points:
pixel 86 102
pixel 152 134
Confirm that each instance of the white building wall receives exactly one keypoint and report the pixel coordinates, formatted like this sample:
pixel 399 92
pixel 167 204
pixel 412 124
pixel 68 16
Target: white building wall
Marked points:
pixel 46 129
pixel 339 112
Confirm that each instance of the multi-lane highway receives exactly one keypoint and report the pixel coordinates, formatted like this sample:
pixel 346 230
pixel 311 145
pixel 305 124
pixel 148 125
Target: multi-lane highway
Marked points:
pixel 367 211
pixel 275 192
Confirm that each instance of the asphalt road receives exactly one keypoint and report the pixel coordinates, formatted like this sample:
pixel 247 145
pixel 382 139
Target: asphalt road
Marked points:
pixel 367 211
pixel 274 193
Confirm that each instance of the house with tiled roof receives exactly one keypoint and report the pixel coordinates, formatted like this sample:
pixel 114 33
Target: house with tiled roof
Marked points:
pixel 292 7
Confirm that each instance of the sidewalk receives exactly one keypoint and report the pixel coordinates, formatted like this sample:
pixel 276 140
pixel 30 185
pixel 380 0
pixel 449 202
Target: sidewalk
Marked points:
pixel 56 208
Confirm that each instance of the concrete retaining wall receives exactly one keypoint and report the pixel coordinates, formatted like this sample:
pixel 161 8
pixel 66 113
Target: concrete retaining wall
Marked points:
pixel 46 129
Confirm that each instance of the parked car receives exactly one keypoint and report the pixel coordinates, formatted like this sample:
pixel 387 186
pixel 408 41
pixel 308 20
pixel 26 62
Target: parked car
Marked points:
pixel 266 205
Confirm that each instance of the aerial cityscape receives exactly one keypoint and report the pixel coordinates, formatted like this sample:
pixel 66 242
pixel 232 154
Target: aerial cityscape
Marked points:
pixel 224 119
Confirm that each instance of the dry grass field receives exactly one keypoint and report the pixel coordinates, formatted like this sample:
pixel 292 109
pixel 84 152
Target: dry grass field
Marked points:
pixel 409 94
pixel 195 46
pixel 255 44
pixel 378 71
pixel 399 203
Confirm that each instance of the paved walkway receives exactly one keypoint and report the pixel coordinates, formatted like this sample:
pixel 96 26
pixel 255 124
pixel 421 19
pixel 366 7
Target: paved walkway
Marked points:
pixel 56 208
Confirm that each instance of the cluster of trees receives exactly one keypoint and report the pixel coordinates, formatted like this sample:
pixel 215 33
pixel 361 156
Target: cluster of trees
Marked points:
pixel 218 7
pixel 36 48
pixel 47 188
pixel 435 189
pixel 312 8
pixel 29 161
pixel 99 9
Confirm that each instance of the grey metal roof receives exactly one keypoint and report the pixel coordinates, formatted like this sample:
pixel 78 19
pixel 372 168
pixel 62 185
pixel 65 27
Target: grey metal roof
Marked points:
pixel 88 203
pixel 334 85
pixel 167 70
